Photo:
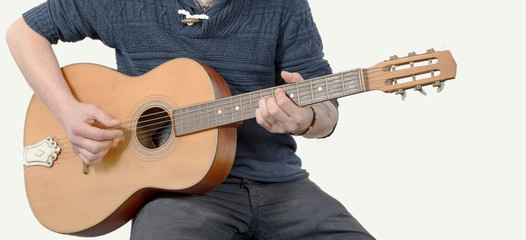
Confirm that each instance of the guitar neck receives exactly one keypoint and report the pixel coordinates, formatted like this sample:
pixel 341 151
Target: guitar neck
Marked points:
pixel 242 107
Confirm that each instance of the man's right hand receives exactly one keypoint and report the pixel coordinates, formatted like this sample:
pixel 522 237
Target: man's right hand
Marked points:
pixel 90 143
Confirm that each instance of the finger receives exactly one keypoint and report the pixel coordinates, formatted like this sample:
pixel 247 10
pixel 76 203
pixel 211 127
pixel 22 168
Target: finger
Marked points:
pixel 284 102
pixel 104 118
pixel 291 77
pixel 91 158
pixel 91 132
pixel 92 145
pixel 276 115
pixel 262 107
pixel 263 114
pixel 261 121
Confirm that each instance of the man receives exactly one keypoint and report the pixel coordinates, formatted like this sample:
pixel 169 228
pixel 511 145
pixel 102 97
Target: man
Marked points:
pixel 253 44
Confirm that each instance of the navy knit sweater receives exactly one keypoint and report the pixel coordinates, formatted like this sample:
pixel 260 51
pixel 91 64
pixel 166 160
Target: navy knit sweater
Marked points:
pixel 248 42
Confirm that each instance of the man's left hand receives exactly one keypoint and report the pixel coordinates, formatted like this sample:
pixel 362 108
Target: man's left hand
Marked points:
pixel 279 114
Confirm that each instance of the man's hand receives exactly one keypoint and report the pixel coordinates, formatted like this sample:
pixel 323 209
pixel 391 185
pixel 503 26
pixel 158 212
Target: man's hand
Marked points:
pixel 279 114
pixel 90 143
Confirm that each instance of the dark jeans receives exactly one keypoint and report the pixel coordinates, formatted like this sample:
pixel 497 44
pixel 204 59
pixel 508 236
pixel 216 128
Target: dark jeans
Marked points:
pixel 244 209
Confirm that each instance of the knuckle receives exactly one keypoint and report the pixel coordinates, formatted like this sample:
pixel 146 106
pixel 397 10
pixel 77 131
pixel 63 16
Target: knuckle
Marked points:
pixel 273 111
pixel 76 130
pixel 95 107
pixel 98 135
pixel 75 140
pixel 282 101
pixel 264 114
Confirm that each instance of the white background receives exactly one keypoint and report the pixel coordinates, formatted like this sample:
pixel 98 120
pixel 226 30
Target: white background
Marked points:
pixel 445 166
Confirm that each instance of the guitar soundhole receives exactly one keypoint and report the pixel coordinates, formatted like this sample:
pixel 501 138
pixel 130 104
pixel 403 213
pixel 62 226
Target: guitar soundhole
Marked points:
pixel 154 128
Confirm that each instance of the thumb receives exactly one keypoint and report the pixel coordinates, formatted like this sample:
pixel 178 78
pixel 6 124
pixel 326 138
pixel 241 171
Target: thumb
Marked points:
pixel 106 119
pixel 291 77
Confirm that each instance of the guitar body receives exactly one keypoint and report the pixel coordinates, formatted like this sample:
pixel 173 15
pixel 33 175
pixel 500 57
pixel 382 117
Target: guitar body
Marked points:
pixel 66 199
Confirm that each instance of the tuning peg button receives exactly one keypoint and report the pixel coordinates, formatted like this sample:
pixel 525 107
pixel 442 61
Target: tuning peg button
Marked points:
pixel 401 92
pixel 420 89
pixel 393 57
pixel 411 54
pixel 440 85
pixel 431 50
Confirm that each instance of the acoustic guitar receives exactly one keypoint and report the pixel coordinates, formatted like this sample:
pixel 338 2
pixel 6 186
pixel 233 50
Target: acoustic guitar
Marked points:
pixel 179 121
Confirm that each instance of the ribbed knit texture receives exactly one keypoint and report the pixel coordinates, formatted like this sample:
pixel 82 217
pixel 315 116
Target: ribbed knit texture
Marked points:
pixel 248 42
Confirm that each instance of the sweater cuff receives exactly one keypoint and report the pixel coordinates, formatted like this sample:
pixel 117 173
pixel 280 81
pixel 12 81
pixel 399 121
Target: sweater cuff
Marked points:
pixel 39 19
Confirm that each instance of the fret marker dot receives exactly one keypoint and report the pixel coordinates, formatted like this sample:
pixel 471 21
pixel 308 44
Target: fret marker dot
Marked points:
pixel 319 89
pixel 292 95
pixel 237 108
pixel 219 111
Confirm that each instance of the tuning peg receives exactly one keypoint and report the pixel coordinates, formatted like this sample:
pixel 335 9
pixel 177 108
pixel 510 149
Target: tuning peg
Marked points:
pixel 411 54
pixel 431 50
pixel 401 92
pixel 393 57
pixel 420 89
pixel 440 85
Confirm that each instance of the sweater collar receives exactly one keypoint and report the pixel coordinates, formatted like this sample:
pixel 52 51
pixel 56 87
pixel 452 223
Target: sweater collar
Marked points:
pixel 192 7
pixel 223 18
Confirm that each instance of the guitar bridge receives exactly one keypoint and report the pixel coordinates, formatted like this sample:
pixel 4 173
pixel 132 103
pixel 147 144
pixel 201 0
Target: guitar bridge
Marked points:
pixel 43 153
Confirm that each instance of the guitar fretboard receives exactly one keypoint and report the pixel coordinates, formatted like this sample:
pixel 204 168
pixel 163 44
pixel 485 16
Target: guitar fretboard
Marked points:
pixel 241 107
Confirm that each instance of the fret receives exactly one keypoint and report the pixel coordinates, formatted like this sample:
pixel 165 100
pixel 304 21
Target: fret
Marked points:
pixel 327 88
pixel 290 90
pixel 320 93
pixel 229 113
pixel 267 92
pixel 197 117
pixel 352 83
pixel 251 105
pixel 361 79
pixel 210 114
pixel 220 112
pixel 305 93
pixel 192 111
pixel 200 117
pixel 178 121
pixel 241 106
pixel 311 92
pixel 187 119
pixel 334 88
pixel 237 113
pixel 298 93
pixel 343 83
pixel 213 112
pixel 232 109
pixel 254 104
pixel 205 120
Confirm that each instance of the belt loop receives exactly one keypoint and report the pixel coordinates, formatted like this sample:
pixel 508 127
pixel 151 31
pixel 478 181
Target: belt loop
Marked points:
pixel 245 183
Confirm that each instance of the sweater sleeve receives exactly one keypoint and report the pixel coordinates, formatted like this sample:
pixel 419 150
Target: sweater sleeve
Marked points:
pixel 300 48
pixel 72 20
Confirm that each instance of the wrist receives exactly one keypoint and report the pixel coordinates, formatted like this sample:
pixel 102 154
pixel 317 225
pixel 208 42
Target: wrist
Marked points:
pixel 311 125
pixel 62 108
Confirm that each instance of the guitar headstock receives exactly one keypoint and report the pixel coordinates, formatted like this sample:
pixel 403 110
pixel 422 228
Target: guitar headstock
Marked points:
pixel 412 72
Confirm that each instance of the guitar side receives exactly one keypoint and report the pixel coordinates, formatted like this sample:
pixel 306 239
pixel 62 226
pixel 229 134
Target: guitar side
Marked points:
pixel 67 200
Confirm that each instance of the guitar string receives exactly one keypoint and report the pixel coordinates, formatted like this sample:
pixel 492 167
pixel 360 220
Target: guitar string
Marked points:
pixel 336 76
pixel 208 118
pixel 162 120
pixel 322 79
pixel 334 81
